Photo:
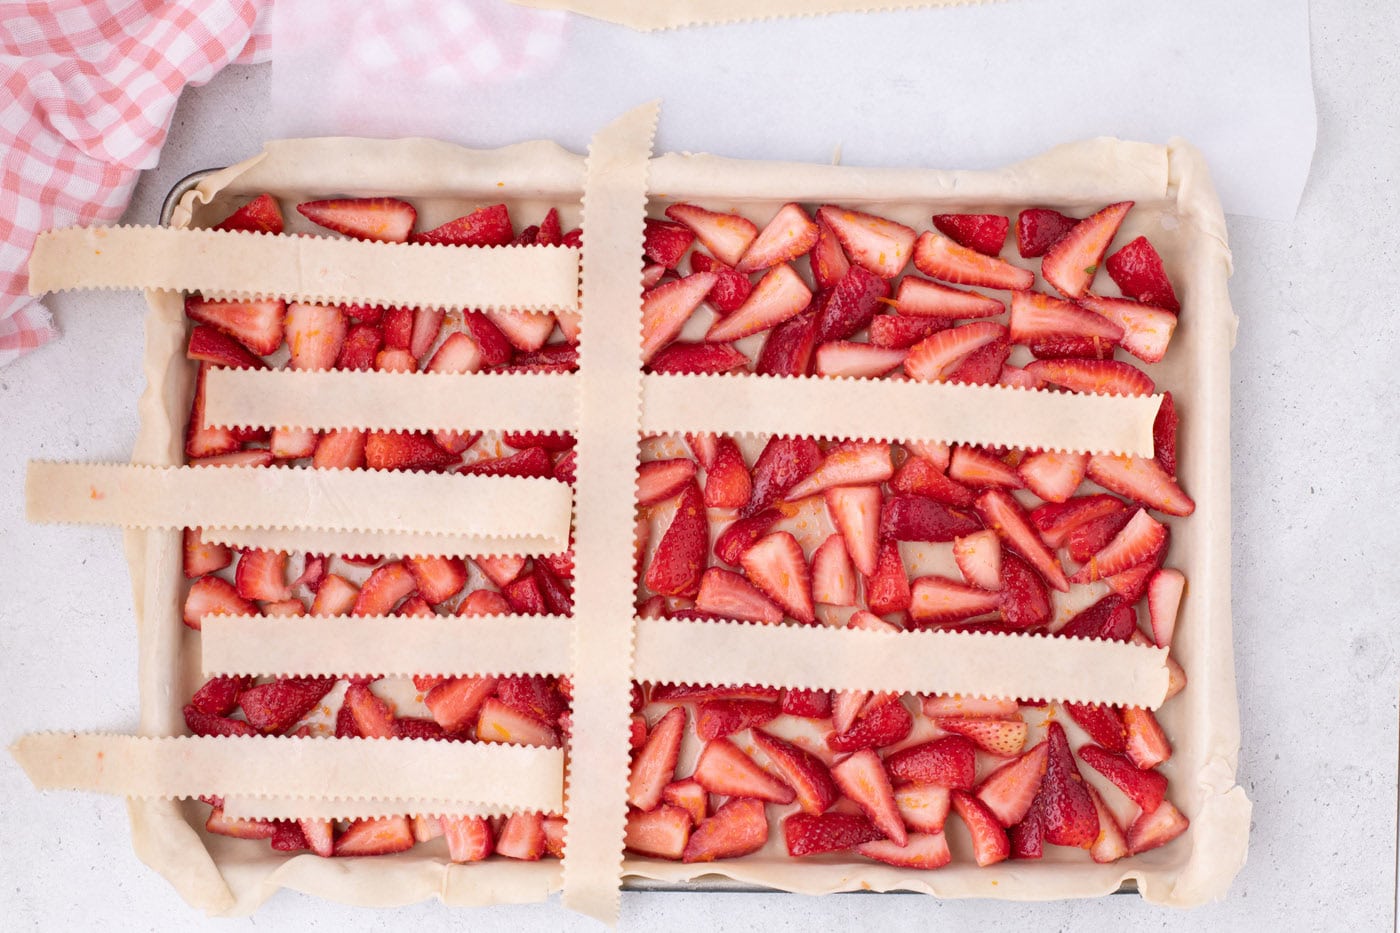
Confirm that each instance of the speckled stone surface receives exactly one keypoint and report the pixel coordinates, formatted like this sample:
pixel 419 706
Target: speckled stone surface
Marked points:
pixel 1316 580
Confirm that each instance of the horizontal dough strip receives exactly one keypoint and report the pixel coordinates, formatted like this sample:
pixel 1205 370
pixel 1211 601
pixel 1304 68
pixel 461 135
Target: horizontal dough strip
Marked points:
pixel 320 808
pixel 1026 667
pixel 232 264
pixel 512 776
pixel 428 504
pixel 821 407
pixel 388 544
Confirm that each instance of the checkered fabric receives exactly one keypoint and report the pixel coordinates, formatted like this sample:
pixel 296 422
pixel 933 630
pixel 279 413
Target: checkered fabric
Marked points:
pixel 87 90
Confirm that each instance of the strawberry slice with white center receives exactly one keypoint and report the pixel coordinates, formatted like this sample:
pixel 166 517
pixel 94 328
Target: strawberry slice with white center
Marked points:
pixel 921 298
pixel 238 829
pixel 680 558
pixel 284 608
pixel 500 570
pixel 924 851
pixel 698 359
pixel 937 358
pixel 662 833
pixel 979 559
pixel 665 242
pixel 1164 592
pixel 879 245
pixel 958 706
pixel 846 707
pixel 1137 270
pixel 1145 788
pixel 863 778
pixel 1004 515
pixel 315 335
pixel 936 600
pixel 212 596
pixel 690 796
pixel 201 558
pixel 923 807
pixel 857 360
pixel 292 443
pixel 1111 844
pixel 261 215
pixel 258 325
pixel 527 331
pixel 373 717
pixel 459 353
pixel 522 837
pixel 1018 378
pixel 1071 263
pixel 1151 830
pixel 1057 521
pixel 727 481
pixel 738 828
pixel 1147 744
pixel 468 838
pixel 1036 316
pixel 989 841
pixel 938 257
pixel 1053 475
pixel 658 480
pixel 803 771
pixel 456 703
pixel 334 597
pixel 1098 377
pixel 340 449
pixel 790 234
pixel 1002 737
pixel 728 236
pixel 387 220
pixel 427 324
pixel 975 467
pixel 386 587
pixel 833 577
pixel 855 511
pixel 985 233
pixel 1147 330
pixel 920 477
pixel 724 769
pixel 262 575
pixel 1139 540
pixel 667 307
pixel 777 566
pixel 499 722
pixel 438 579
pixel 211 345
pixel 897 332
pixel 725 593
pixel 849 463
pixel 375 837
pixel 779 295
pixel 1142 480
pixel 1009 790
pixel 654 766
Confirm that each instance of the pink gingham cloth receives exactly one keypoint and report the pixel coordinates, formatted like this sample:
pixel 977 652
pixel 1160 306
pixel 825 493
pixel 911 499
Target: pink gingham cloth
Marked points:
pixel 87 90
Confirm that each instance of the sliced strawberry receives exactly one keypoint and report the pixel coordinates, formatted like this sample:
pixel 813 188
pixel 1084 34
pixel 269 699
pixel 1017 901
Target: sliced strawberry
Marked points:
pixel 897 332
pixel 262 575
pixel 731 289
pixel 950 761
pixel 1056 521
pixel 982 366
pixel 498 722
pixel 879 245
pixel 1099 377
pixel 1164 592
pixel 261 215
pixel 862 777
pixel 373 717
pixel 777 566
pixel 658 480
pixel 315 335
pixel 689 693
pixel 397 328
pixel 522 837
pixel 483 603
pixel 828 261
pixel 1072 261
pixel 880 724
pixel 239 829
pixel 527 331
pixel 985 233
pixel 724 769
pixel 387 220
pixel 1037 317
pixel 924 851
pixel 1164 434
pixel 920 298
pixel 779 295
pixel 291 607
pixel 319 836
pixel 456 703
pixel 485 226
pixel 784 462
pixel 698 359
pixel 850 305
pixel 1001 737
pixel 395 361
pixel 1145 788
pixel 211 596
pixel 292 443
pixel 1060 346
pixel 887 589
pixel 718 718
pixel 1009 790
pixel 791 233
pixel 935 452
pixel 500 570
pixel 724 593
pixel 219 695
pixel 940 258
pixel 855 511
pixel 740 827
pixel 856 360
pixel 494 347
pixel 375 837
pixel 246 458
pixel 740 536
pixel 846 707
pixel 1070 816
pixel 275 707
pixel 1103 723
pixel 459 353
pixel 811 704
pixel 1088 539
pixel 727 236
pixel 1111 844
pixel 1038 228
pixel 334 597
pixel 918 476
pixel 1138 271
pixel 1147 330
pixel 534 694
pixel 1142 480
pixel 848 463
pixel 938 358
pixel 416 727
pixel 468 838
pixel 202 723
pixel 1140 540
pixel 1157 828
pixel 667 307
pixel 386 587
pixel 1004 515
pixel 665 242
pixel 915 518
pixel 201 558
pixel 1052 474
pixel 1025 603
pixel 690 796
pixel 427 325
pixel 654 766
pixel 662 833
pixel 978 556
pixel 923 807
pixel 525 595
pixel 258 325
pixel 209 345
pixel 814 834
pixel 955 705
pixel 340 450
pixel 1148 745
pixel 727 482
pixel 802 770
pixel 787 351
pixel 833 577
pixel 530 462
pixel 989 841
pixel 437 579
pixel 937 600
